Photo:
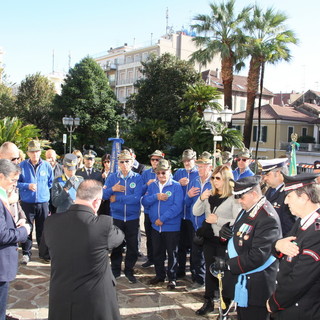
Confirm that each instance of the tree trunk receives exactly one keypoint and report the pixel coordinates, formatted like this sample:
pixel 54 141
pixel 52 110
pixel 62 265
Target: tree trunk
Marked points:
pixel 252 89
pixel 227 79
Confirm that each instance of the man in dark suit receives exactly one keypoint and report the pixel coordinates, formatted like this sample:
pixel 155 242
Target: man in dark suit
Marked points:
pixel 88 171
pixel 10 232
pixel 271 171
pixel 82 284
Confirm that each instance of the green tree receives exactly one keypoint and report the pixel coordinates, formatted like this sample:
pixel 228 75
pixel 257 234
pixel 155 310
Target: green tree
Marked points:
pixel 86 93
pixel 7 101
pixel 220 33
pixel 161 91
pixel 34 102
pixel 267 42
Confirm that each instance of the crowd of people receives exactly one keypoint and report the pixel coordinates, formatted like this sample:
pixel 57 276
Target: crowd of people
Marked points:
pixel 251 239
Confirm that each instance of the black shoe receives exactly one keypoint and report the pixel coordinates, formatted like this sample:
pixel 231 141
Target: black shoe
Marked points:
pixel 147 264
pixel 155 280
pixel 116 274
pixel 171 285
pixel 9 317
pixel 131 278
pixel 44 260
pixel 206 308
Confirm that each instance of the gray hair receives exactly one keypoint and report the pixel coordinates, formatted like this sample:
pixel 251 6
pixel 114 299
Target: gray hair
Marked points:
pixel 7 167
pixel 89 190
pixel 311 190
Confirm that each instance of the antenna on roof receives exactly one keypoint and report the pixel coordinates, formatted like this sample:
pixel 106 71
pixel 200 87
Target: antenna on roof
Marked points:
pixel 53 61
pixel 167 21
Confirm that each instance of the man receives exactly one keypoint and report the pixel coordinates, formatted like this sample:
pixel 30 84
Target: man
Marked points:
pixel 34 185
pixel 164 198
pixel 81 284
pixel 51 157
pixel 243 162
pixel 149 176
pixel 64 188
pixel 249 259
pixel 137 166
pixel 10 233
pixel 184 176
pixel 297 293
pixel 272 175
pixel 197 186
pixel 88 171
pixel 227 158
pixel 124 190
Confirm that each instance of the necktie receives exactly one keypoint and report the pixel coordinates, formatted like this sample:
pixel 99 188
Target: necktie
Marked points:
pixel 89 172
pixel 272 191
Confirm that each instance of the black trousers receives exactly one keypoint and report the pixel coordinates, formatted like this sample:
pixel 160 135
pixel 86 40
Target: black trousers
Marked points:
pixel 197 265
pixel 165 243
pixel 148 231
pixel 130 230
pixel 185 244
pixel 253 313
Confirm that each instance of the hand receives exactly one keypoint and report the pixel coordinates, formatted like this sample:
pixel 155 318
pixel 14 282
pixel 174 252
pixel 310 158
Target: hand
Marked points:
pixel 118 187
pixel 33 187
pixel 27 227
pixel 162 196
pixel 21 223
pixel 287 246
pixel 205 194
pixel 226 231
pixel 112 198
pixel 218 265
pixel 150 181
pixel 212 218
pixel 68 185
pixel 184 181
pixel 158 223
pixel 194 191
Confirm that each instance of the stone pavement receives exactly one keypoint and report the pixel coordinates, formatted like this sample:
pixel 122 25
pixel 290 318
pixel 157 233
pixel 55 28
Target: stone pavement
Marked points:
pixel 28 295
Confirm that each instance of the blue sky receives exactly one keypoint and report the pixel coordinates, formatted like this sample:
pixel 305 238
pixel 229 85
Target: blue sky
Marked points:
pixel 31 30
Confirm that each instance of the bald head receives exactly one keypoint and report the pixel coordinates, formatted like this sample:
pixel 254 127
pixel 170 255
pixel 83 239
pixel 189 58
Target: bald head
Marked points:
pixel 51 157
pixel 9 151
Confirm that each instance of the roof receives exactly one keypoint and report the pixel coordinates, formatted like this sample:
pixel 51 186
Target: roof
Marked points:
pixel 282 98
pixel 239 82
pixel 276 112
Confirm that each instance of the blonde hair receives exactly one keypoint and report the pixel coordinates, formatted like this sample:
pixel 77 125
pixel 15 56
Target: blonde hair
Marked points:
pixel 226 176
pixel 78 153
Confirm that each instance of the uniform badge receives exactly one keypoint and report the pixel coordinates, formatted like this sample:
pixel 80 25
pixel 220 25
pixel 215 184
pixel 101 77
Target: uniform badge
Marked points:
pixel 317 224
pixel 132 185
pixel 43 173
pixel 169 193
pixel 240 243
pixel 246 237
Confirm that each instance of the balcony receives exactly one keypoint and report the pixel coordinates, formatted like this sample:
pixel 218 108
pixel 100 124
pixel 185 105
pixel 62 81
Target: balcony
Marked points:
pixel 304 147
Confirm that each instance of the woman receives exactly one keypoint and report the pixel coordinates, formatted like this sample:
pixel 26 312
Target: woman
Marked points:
pixel 220 207
pixel 106 164
pixel 80 158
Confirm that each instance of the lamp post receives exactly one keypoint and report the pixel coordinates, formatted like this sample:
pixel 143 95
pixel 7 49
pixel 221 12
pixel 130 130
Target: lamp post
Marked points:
pixel 70 124
pixel 216 121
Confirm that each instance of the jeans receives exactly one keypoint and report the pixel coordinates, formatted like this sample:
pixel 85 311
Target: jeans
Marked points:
pixel 4 287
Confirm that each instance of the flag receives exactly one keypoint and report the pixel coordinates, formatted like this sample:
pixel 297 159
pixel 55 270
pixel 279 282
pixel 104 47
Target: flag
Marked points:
pixel 116 149
pixel 293 161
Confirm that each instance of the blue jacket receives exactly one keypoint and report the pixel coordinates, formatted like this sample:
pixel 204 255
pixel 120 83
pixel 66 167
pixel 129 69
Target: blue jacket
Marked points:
pixel 146 176
pixel 169 211
pixel 127 204
pixel 196 220
pixel 42 177
pixel 237 175
pixel 10 235
pixel 183 173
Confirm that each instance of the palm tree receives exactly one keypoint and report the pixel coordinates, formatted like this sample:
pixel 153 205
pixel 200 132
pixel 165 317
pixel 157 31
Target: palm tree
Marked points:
pixel 267 41
pixel 220 33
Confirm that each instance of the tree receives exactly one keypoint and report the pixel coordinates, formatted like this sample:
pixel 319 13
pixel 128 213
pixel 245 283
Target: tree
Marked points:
pixel 220 33
pixel 7 101
pixel 34 102
pixel 86 93
pixel 267 42
pixel 161 91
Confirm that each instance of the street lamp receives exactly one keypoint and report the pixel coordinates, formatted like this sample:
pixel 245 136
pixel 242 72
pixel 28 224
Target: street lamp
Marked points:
pixel 71 124
pixel 213 117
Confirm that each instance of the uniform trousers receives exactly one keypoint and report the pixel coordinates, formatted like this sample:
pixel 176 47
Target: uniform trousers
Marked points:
pixel 197 265
pixel 185 244
pixel 148 231
pixel 165 243
pixel 253 313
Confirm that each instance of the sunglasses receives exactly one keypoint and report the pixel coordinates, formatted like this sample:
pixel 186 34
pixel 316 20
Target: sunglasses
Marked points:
pixel 242 159
pixel 106 161
pixel 78 157
pixel 90 159
pixel 216 178
pixel 161 173
pixel 153 159
pixel 15 159
pixel 124 161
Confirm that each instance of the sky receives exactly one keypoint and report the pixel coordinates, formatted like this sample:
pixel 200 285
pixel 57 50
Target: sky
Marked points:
pixel 42 36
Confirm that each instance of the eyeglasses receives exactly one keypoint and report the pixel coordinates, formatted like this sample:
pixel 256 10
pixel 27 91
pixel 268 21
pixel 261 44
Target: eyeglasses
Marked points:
pixel 90 159
pixel 106 161
pixel 242 159
pixel 15 159
pixel 154 159
pixel 216 178
pixel 124 161
pixel 78 157
pixel 161 173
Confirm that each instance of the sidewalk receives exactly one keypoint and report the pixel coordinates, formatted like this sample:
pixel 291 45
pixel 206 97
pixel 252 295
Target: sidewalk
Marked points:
pixel 28 295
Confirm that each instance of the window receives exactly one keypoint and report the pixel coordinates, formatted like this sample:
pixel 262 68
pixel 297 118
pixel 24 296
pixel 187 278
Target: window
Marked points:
pixel 263 133
pixel 290 132
pixel 242 104
pixel 237 128
pixel 304 132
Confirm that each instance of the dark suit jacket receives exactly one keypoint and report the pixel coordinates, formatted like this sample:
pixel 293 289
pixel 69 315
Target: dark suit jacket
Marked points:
pixel 10 235
pixel 95 174
pixel 81 285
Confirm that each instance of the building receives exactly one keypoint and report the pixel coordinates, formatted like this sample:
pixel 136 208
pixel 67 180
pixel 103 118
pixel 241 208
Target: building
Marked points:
pixel 123 64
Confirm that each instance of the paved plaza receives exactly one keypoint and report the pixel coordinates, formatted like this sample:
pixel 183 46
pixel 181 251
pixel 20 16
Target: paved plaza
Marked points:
pixel 29 295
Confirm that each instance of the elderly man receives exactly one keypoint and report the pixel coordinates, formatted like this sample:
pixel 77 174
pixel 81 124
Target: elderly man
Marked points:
pixel 196 187
pixel 250 269
pixel 297 293
pixel 51 157
pixel 34 185
pixel 271 171
pixel 88 171
pixel 81 284
pixel 124 190
pixel 243 161
pixel 11 232
pixel 184 176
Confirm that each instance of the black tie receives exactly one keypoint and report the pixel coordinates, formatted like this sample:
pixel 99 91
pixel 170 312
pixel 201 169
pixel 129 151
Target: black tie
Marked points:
pixel 89 171
pixel 272 191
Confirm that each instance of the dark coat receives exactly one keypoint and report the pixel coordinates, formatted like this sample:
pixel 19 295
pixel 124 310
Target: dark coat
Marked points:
pixel 284 213
pixel 81 284
pixel 254 247
pixel 297 296
pixel 95 174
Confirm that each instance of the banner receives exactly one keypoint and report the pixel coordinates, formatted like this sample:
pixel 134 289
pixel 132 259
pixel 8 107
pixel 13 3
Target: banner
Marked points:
pixel 116 149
